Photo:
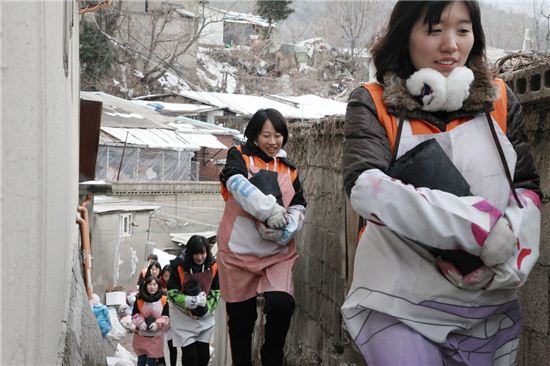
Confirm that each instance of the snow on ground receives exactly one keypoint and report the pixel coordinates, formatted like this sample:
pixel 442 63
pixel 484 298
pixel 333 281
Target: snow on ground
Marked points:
pixel 164 258
pixel 218 75
pixel 171 81
pixel 122 357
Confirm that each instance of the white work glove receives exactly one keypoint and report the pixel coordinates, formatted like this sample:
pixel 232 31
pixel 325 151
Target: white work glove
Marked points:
pixel 153 327
pixel 277 219
pixel 201 299
pixel 142 326
pixel 295 218
pixel 268 233
pixel 250 198
pixel 499 245
pixel 191 302
pixel 477 279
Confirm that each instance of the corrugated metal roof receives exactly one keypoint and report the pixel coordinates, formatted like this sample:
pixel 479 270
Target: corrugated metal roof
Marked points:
pixel 118 112
pixel 183 108
pixel 152 137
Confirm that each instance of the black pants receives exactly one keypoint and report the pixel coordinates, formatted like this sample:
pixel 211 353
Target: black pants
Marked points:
pixel 173 355
pixel 278 309
pixel 196 354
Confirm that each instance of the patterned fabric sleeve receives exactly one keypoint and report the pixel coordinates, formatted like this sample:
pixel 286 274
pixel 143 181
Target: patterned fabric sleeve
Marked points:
pixel 525 224
pixel 432 217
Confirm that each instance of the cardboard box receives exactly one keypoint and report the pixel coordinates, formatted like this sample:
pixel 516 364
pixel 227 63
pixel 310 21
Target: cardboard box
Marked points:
pixel 115 298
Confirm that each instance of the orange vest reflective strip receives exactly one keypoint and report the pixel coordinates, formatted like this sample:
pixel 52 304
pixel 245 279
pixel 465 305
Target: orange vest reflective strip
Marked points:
pixel 419 127
pixel 259 163
pixel 214 270
pixel 141 301
pixel 182 275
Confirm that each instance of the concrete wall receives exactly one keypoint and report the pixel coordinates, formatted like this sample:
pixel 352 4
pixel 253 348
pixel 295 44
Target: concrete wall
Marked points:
pixel 213 32
pixel 186 207
pixel 326 245
pixel 136 27
pixel 118 260
pixel 532 86
pixel 39 82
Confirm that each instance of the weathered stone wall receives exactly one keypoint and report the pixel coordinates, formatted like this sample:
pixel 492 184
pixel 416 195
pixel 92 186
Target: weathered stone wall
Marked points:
pixel 326 247
pixel 532 86
pixel 321 274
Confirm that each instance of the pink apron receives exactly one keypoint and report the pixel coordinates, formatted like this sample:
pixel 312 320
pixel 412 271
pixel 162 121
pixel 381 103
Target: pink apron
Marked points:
pixel 248 264
pixel 150 343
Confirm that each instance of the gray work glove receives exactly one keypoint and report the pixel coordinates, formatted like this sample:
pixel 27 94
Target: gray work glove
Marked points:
pixel 499 245
pixel 268 233
pixel 277 219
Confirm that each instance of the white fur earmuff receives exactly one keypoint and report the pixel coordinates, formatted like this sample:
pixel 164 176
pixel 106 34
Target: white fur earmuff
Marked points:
pixel 440 93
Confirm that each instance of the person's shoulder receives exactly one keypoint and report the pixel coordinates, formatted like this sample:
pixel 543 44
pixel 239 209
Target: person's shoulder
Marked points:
pixel 364 94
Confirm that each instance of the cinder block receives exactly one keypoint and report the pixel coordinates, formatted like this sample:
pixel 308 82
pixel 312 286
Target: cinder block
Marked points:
pixel 545 236
pixel 534 300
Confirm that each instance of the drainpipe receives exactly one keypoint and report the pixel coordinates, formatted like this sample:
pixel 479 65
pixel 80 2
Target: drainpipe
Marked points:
pixel 83 222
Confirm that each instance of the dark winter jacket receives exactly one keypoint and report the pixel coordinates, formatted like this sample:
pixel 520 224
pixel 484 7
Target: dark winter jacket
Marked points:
pixel 366 144
pixel 236 165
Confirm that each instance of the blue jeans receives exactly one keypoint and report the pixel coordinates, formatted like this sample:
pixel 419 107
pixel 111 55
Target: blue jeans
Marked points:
pixel 143 360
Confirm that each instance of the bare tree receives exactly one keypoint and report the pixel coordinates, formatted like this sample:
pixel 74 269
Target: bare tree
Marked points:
pixel 155 39
pixel 352 22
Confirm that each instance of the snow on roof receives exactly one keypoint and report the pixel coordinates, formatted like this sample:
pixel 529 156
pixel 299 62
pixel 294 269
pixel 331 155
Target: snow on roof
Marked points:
pixel 184 108
pixel 310 107
pixel 105 204
pixel 118 112
pixel 152 137
pixel 204 140
pixel 327 107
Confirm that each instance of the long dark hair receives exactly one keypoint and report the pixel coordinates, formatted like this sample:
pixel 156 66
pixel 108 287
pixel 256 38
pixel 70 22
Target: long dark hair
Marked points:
pixel 197 244
pixel 144 294
pixel 153 264
pixel 257 121
pixel 391 51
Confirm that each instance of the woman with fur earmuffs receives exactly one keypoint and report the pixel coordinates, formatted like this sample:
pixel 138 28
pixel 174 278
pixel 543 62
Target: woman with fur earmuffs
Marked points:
pixel 436 272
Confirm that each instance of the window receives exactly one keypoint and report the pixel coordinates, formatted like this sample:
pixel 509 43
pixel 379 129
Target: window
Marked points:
pixel 126 224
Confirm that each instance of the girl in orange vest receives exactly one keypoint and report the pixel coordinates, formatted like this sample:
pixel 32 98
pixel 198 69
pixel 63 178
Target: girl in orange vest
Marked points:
pixel 150 317
pixel 264 209
pixel 194 291
pixel 413 301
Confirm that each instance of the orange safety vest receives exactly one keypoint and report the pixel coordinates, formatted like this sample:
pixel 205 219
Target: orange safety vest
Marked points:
pixel 420 127
pixel 259 163
pixel 214 270
pixel 141 301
